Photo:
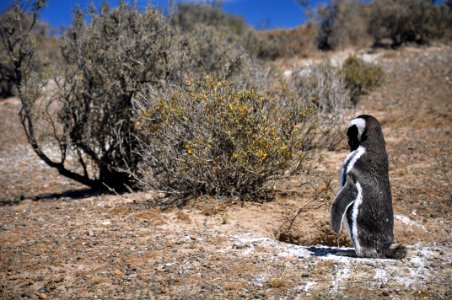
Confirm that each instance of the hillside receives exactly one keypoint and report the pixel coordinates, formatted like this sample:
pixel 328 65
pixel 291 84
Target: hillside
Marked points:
pixel 57 240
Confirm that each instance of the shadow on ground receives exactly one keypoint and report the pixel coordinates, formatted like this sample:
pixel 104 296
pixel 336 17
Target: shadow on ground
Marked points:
pixel 325 251
pixel 69 195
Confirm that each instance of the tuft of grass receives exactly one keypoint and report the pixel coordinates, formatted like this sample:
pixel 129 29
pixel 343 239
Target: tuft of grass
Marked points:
pixel 277 283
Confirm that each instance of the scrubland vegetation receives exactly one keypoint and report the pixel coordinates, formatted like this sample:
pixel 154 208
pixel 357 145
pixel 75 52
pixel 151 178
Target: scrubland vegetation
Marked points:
pixel 196 109
pixel 189 103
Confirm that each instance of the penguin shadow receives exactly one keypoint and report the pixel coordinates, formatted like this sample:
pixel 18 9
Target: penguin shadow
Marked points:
pixel 326 251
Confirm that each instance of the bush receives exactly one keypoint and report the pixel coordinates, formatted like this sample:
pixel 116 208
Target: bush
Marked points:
pixel 407 21
pixel 341 23
pixel 350 22
pixel 20 35
pixel 131 97
pixel 279 43
pixel 7 80
pixel 206 49
pixel 361 77
pixel 189 18
pixel 323 88
pixel 88 118
pixel 212 137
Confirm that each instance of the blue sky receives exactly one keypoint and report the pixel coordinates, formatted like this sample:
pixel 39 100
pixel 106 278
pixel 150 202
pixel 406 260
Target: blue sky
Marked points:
pixel 261 14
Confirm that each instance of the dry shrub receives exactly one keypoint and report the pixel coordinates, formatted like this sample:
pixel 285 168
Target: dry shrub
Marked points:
pixel 107 59
pixel 279 43
pixel 207 49
pixel 345 23
pixel 341 23
pixel 132 94
pixel 188 18
pixel 23 38
pixel 323 87
pixel 361 77
pixel 212 137
pixel 278 283
pixel 106 62
pixel 405 21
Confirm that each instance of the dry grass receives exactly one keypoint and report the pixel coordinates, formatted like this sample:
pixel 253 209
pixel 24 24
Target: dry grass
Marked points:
pixel 278 283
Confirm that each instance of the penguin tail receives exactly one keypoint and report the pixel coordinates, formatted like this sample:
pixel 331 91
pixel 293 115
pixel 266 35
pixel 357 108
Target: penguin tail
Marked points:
pixel 396 251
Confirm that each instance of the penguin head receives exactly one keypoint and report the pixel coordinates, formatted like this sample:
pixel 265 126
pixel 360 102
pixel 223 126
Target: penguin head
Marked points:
pixel 362 130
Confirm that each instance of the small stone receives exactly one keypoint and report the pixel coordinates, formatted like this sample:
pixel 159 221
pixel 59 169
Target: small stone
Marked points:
pixel 26 294
pixel 42 296
pixel 385 293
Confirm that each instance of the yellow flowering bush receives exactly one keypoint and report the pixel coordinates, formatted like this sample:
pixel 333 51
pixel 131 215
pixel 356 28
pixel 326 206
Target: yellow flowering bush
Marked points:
pixel 212 137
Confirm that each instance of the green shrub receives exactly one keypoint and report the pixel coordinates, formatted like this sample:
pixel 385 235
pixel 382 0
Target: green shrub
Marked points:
pixel 361 77
pixel 212 137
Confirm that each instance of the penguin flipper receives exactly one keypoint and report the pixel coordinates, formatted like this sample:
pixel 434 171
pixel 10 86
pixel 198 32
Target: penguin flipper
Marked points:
pixel 344 199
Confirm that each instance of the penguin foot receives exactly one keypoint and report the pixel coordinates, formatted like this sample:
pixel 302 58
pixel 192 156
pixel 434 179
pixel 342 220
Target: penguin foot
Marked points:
pixel 396 251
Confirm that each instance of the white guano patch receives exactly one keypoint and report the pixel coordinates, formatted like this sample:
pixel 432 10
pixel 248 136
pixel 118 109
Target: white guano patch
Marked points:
pixel 405 220
pixel 360 124
pixel 356 205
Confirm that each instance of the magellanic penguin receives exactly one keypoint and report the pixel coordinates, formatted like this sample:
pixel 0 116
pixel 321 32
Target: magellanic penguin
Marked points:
pixel 364 203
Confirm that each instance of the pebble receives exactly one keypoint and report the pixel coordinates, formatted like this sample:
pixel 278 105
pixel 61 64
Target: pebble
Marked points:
pixel 42 296
pixel 26 294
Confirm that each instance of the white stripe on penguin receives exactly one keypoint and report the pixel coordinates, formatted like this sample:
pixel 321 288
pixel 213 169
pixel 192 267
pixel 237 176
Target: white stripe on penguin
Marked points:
pixel 349 162
pixel 359 152
pixel 356 205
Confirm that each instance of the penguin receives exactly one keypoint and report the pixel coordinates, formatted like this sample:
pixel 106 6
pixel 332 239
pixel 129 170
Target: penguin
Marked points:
pixel 364 203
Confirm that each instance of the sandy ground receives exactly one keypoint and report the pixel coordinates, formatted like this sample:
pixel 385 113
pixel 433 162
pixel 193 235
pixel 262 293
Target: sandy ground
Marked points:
pixel 59 241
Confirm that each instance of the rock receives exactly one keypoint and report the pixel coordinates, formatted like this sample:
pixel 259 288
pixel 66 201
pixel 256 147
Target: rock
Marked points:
pixel 42 296
pixel 26 294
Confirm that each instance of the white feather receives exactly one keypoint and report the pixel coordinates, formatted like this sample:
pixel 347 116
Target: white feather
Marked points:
pixel 360 124
pixel 356 205
pixel 359 152
pixel 353 158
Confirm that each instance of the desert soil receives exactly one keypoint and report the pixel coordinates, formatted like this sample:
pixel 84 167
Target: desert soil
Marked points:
pixel 58 240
